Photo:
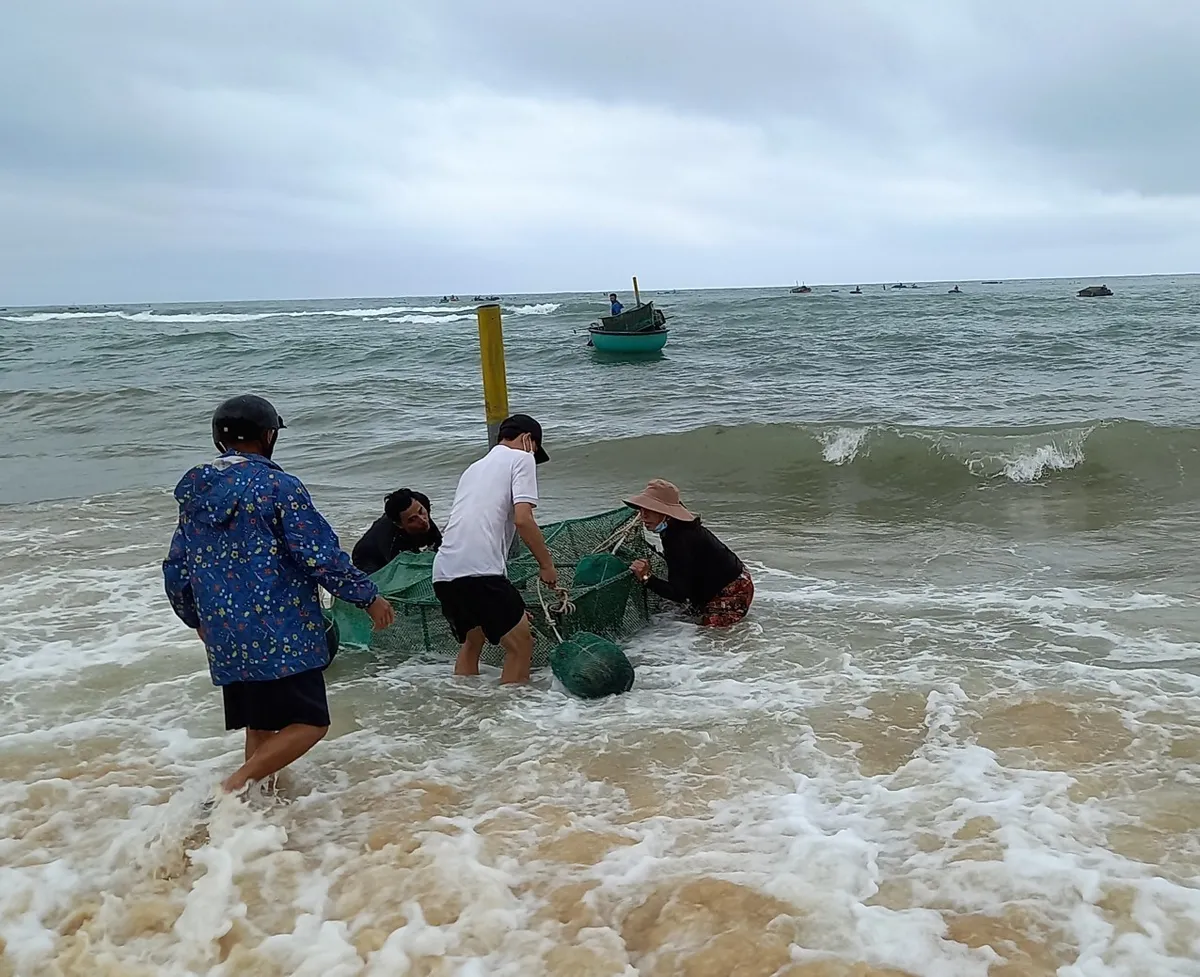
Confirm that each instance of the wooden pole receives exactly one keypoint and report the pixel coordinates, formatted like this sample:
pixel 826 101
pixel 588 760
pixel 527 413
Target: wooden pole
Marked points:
pixel 637 298
pixel 495 380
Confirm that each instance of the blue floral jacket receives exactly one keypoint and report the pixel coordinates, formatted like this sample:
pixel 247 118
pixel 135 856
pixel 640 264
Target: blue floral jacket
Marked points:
pixel 245 564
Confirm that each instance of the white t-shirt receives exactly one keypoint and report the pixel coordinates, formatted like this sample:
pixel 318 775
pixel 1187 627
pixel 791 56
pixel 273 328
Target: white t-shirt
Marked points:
pixel 480 531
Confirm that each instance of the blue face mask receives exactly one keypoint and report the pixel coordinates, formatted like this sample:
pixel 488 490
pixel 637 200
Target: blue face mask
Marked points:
pixel 660 527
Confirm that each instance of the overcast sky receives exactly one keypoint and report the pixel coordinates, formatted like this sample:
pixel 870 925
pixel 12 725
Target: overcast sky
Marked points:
pixel 165 150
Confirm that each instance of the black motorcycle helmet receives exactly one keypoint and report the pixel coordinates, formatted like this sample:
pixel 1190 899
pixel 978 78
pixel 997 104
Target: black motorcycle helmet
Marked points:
pixel 246 418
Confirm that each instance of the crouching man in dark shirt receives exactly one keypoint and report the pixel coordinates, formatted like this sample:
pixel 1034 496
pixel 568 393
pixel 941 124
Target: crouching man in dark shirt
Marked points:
pixel 405 527
pixel 702 572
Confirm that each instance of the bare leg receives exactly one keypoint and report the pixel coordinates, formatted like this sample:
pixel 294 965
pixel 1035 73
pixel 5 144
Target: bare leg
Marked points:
pixel 518 653
pixel 256 738
pixel 280 749
pixel 468 654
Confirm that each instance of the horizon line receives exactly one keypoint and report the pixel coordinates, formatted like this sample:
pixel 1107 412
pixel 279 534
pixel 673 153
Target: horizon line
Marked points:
pixel 1096 279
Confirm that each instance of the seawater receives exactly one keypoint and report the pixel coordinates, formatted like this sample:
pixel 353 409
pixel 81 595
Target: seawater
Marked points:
pixel 958 734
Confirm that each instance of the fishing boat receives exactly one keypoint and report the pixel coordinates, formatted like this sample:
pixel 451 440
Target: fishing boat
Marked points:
pixel 801 290
pixel 647 341
pixel 637 330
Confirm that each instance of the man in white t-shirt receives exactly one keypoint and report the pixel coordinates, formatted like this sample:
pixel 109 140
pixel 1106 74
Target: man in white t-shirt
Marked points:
pixel 494 501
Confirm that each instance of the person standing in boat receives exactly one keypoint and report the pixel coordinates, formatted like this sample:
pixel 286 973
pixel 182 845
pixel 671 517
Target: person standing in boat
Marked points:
pixel 702 572
pixel 617 307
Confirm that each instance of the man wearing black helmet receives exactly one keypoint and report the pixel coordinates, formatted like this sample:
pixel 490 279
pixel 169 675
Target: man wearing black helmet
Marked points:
pixel 406 526
pixel 494 501
pixel 244 569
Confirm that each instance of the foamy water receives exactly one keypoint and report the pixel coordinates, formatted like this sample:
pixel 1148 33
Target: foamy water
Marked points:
pixel 958 735
pixel 843 444
pixel 942 803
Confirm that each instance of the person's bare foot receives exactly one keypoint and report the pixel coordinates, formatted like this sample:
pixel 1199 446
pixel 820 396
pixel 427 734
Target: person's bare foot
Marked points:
pixel 234 784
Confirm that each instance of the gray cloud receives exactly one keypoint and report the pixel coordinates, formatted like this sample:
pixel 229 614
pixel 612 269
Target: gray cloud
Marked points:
pixel 230 149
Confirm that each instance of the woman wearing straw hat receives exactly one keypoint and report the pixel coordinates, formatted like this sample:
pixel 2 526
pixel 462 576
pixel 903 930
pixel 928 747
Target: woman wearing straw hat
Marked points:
pixel 702 572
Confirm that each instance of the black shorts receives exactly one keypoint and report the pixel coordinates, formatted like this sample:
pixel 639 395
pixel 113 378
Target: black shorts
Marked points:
pixel 277 703
pixel 491 603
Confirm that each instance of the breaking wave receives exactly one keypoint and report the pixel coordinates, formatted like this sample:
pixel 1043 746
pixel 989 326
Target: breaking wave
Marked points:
pixel 1132 458
pixel 431 313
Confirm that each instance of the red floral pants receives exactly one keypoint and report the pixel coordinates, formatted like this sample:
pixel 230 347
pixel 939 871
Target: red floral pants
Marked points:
pixel 730 605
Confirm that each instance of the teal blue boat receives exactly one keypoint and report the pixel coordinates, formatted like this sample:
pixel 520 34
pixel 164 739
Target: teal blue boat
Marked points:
pixel 650 341
pixel 636 330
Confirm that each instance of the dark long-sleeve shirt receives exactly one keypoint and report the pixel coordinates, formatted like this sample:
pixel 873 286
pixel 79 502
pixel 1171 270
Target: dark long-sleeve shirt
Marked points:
pixel 699 566
pixel 384 541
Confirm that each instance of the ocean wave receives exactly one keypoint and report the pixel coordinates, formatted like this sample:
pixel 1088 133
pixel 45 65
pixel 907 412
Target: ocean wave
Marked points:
pixel 425 319
pixel 1105 456
pixel 544 309
pixel 202 317
pixel 34 317
pixel 448 313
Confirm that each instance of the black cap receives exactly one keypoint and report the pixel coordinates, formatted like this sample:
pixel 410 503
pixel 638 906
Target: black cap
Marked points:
pixel 518 424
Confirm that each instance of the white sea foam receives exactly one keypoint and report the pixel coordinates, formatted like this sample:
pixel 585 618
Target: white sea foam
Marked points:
pixel 1029 466
pixel 428 319
pixel 544 308
pixel 214 904
pixel 824 844
pixel 446 312
pixel 55 316
pixel 827 593
pixel 842 445
pixel 782 786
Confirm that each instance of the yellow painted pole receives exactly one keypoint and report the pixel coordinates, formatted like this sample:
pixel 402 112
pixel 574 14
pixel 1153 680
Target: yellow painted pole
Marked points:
pixel 495 381
pixel 637 298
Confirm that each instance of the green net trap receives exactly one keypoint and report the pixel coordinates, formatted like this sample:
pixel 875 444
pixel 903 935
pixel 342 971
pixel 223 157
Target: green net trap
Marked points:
pixel 590 666
pixel 609 603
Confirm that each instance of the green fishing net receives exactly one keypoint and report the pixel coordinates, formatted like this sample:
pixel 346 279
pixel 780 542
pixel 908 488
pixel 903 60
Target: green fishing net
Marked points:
pixel 590 666
pixel 598 568
pixel 608 602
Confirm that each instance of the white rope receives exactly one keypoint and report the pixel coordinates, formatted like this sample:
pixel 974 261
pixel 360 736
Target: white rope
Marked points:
pixel 617 539
pixel 564 605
